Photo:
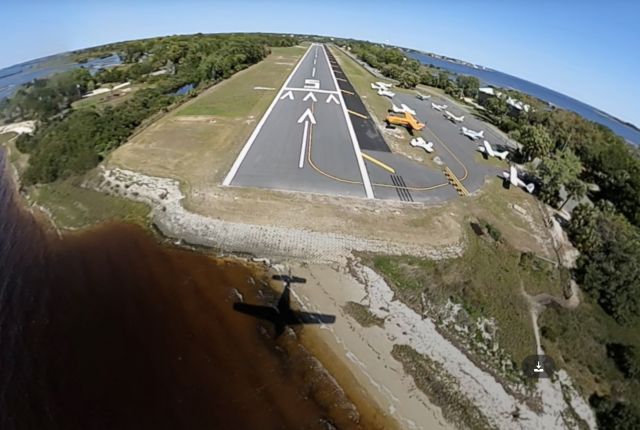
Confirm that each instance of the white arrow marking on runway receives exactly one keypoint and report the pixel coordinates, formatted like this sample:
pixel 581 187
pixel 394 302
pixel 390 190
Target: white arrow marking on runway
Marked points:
pixel 310 94
pixel 332 97
pixel 307 115
pixel 287 94
pixel 303 148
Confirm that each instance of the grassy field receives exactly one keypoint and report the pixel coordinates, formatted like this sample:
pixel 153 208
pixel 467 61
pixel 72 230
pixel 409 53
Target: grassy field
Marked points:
pixel 198 142
pixel 486 280
pixel 73 207
pixel 241 99
pixel 361 80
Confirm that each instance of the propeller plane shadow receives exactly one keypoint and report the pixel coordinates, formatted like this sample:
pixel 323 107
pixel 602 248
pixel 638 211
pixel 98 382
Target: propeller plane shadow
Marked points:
pixel 282 315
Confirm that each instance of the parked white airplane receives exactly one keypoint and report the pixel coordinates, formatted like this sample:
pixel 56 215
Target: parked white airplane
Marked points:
pixel 486 148
pixel 386 93
pixel 473 135
pixel 451 117
pixel 512 177
pixel 420 96
pixel 403 108
pixel 381 86
pixel 419 142
pixel 439 107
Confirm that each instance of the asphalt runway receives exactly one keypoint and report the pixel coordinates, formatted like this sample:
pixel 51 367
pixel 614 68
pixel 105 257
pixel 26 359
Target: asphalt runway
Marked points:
pixel 304 142
pixel 318 137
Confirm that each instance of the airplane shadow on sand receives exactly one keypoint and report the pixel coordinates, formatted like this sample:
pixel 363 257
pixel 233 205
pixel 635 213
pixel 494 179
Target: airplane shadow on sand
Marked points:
pixel 281 315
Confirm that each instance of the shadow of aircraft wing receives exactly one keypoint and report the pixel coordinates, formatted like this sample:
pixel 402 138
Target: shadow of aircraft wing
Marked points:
pixel 289 279
pixel 263 312
pixel 312 318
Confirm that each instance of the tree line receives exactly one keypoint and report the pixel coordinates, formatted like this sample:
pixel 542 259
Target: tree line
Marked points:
pixel 72 141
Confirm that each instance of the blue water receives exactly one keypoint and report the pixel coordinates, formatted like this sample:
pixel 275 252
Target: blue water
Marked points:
pixel 184 89
pixel 503 80
pixel 13 77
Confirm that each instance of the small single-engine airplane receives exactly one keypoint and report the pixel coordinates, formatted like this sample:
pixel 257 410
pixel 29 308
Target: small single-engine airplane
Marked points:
pixel 473 135
pixel 512 177
pixel 420 143
pixel 383 89
pixel 421 96
pixel 438 107
pixel 451 117
pixel 403 108
pixel 405 120
pixel 488 151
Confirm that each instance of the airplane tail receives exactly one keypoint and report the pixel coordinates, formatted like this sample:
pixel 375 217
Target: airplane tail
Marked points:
pixel 530 187
pixel 481 134
pixel 462 118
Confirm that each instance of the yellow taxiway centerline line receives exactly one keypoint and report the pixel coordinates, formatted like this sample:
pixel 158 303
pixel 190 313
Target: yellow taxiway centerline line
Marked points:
pixel 357 114
pixel 379 163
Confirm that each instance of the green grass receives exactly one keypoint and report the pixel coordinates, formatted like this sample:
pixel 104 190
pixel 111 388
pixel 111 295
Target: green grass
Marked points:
pixel 73 207
pixel 577 341
pixel 485 280
pixel 237 97
pixel 363 315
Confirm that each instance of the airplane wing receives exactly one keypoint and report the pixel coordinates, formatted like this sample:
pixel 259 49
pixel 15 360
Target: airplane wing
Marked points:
pixel 513 175
pixel 314 318
pixel 487 148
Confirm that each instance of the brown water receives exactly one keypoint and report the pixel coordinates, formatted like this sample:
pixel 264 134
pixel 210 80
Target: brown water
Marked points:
pixel 108 329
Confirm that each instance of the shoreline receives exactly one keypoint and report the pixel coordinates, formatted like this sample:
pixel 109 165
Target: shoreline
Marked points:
pixel 393 393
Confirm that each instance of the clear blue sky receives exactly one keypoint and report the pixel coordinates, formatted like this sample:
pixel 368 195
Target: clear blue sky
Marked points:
pixel 585 49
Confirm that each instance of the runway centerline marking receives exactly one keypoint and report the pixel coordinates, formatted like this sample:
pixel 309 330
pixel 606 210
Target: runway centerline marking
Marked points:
pixel 313 72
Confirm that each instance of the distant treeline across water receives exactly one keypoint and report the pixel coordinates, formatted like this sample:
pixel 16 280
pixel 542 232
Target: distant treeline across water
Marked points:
pixel 503 80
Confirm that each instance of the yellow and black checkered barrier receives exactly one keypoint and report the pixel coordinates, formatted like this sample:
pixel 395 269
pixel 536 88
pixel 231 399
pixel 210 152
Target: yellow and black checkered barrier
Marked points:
pixel 455 182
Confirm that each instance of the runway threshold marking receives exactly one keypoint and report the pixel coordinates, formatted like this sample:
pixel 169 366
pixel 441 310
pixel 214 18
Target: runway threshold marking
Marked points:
pixel 357 114
pixel 379 163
